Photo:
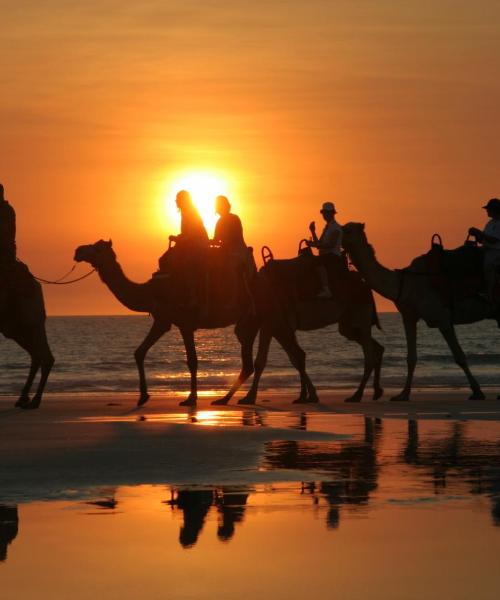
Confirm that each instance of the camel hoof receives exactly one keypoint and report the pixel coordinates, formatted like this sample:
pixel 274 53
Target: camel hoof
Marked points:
pixel 30 406
pixel 353 399
pixel 306 400
pixel 377 394
pixel 188 402
pixel 22 402
pixel 246 401
pixel 400 398
pixel 220 402
pixel 477 396
pixel 143 399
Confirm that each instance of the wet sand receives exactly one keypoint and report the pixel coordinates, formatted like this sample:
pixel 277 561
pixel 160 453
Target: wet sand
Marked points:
pixel 74 442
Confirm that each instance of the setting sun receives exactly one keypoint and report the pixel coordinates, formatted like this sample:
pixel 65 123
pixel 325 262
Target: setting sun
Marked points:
pixel 203 186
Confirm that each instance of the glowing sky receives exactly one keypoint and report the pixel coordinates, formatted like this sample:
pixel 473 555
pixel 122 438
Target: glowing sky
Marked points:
pixel 390 109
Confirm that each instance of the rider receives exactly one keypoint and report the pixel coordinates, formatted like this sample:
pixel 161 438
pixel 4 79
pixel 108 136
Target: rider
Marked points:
pixel 229 236
pixel 490 240
pixel 329 246
pixel 7 231
pixel 228 229
pixel 193 233
pixel 191 245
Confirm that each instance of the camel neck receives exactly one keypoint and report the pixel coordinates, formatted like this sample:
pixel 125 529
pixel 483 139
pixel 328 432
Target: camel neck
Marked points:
pixel 135 296
pixel 381 279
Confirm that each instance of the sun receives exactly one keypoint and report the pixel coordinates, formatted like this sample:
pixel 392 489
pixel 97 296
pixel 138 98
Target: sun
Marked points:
pixel 204 187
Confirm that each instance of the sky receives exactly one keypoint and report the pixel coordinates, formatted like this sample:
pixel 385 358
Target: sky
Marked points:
pixel 389 109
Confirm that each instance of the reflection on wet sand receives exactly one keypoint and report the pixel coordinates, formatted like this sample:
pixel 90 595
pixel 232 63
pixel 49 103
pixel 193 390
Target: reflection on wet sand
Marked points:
pixel 457 462
pixel 390 462
pixel 9 526
pixel 349 467
pixel 196 504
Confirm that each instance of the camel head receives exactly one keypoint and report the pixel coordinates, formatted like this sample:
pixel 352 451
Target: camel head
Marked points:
pixel 96 254
pixel 353 235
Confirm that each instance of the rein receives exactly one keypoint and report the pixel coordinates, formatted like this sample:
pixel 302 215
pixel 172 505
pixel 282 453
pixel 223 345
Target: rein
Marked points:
pixel 61 281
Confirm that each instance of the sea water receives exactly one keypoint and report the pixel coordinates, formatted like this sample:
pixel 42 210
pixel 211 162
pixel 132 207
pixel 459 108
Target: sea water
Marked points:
pixel 95 354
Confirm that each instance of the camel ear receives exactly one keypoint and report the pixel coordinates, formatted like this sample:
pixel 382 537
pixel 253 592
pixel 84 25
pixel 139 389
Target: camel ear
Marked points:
pixel 362 226
pixel 110 243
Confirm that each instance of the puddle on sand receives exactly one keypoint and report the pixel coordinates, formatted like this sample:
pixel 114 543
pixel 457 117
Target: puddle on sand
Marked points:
pixel 399 510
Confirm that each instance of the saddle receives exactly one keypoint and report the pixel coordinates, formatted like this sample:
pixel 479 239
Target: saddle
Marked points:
pixel 212 279
pixel 457 273
pixel 16 279
pixel 298 278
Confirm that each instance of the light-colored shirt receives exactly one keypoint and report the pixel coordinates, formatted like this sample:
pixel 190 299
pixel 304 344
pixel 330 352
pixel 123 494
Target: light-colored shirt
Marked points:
pixel 328 236
pixel 492 250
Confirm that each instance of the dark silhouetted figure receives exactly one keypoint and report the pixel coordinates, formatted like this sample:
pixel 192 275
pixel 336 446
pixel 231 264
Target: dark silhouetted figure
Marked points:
pixel 7 231
pixel 9 526
pixel 188 259
pixel 329 245
pixel 228 229
pixel 490 240
pixel 229 236
pixel 193 233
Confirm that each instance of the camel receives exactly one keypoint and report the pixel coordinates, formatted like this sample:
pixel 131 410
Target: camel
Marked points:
pixel 281 315
pixel 141 297
pixel 415 298
pixel 22 319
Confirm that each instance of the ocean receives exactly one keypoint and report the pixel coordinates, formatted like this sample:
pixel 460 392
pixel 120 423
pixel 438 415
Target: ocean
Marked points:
pixel 95 354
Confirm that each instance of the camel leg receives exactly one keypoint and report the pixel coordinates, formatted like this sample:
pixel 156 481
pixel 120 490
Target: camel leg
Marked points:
pixel 192 362
pixel 260 364
pixel 246 337
pixel 449 334
pixel 297 357
pixel 154 334
pixel 410 325
pixel 24 398
pixel 366 343
pixel 46 364
pixel 27 345
pixel 379 350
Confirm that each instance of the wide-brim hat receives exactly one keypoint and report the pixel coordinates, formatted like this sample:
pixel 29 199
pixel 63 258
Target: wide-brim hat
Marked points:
pixel 328 207
pixel 493 203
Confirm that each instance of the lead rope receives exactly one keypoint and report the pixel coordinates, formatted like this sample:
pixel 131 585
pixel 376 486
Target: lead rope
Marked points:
pixel 61 281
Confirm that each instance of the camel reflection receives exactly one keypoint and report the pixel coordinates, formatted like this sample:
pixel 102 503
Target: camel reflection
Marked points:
pixel 457 463
pixel 9 526
pixel 351 466
pixel 195 506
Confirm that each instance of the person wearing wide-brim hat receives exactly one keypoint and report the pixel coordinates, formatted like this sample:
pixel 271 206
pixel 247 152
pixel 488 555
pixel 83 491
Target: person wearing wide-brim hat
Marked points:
pixel 490 240
pixel 329 245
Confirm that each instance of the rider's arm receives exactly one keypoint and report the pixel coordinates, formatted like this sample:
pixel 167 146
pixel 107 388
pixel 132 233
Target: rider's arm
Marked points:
pixel 315 241
pixel 483 237
pixel 330 242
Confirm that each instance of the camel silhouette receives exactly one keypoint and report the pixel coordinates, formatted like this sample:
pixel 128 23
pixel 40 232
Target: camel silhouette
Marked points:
pixel 143 297
pixel 415 298
pixel 22 319
pixel 355 323
pixel 286 303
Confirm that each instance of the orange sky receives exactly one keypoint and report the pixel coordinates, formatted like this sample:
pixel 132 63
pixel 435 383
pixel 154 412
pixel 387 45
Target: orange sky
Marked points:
pixel 390 109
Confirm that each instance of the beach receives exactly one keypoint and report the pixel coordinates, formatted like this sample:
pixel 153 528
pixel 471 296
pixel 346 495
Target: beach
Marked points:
pixel 243 501
pixel 78 441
